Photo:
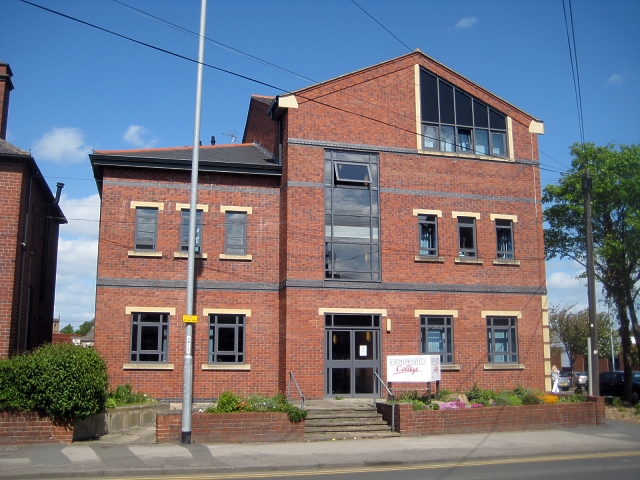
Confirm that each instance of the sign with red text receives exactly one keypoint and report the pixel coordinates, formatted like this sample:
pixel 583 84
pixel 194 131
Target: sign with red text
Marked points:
pixel 413 368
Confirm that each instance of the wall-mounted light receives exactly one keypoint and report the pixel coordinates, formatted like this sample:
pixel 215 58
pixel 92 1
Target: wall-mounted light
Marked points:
pixel 388 325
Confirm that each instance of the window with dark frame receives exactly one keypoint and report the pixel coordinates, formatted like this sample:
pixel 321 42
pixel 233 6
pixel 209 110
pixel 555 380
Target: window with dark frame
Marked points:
pixel 504 236
pixel 149 337
pixel 184 231
pixel 226 338
pixel 453 121
pixel 502 340
pixel 236 233
pixel 146 233
pixel 428 235
pixel 436 337
pixel 467 237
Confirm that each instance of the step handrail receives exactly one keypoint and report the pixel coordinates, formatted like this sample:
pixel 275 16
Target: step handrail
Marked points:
pixel 393 401
pixel 292 377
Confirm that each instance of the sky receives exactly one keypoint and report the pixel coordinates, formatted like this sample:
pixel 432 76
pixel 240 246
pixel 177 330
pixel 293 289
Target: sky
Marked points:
pixel 78 88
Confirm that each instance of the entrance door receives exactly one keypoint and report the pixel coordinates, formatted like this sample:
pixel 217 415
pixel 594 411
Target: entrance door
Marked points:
pixel 352 354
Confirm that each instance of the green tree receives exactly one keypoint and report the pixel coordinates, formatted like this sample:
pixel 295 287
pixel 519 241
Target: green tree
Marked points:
pixel 615 209
pixel 68 329
pixel 85 327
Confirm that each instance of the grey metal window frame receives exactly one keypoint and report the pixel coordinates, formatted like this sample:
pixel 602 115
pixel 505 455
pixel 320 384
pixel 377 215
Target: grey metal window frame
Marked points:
pixel 446 355
pixel 139 320
pixel 241 219
pixel 463 222
pixel 184 230
pixel 239 329
pixel 424 221
pixel 141 214
pixel 505 226
pixel 448 136
pixel 494 355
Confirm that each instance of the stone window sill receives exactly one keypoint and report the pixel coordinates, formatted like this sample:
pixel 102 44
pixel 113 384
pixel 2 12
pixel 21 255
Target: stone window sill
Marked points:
pixel 428 259
pixel 229 367
pixel 202 256
pixel 133 253
pixel 503 366
pixel 449 367
pixel 502 261
pixel 147 366
pixel 241 258
pixel 472 261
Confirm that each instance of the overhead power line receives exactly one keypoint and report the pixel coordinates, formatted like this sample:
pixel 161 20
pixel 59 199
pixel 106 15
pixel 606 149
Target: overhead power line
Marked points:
pixel 573 57
pixel 386 29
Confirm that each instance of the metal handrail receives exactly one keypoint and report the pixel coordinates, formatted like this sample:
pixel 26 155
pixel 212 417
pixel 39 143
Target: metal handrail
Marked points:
pixel 292 377
pixel 393 401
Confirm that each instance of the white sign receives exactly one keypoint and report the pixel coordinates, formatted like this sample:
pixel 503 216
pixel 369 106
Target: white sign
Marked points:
pixel 413 368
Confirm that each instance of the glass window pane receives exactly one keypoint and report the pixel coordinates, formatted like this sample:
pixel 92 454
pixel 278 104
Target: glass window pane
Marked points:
pixel 348 227
pixel 428 97
pixel 447 139
pixel 463 109
pixel 480 115
pixel 482 142
pixel 226 339
pixel 149 337
pixel 352 257
pixel 497 120
pixel 446 103
pixel 354 200
pixel 350 172
pixel 464 140
pixel 497 144
pixel 430 137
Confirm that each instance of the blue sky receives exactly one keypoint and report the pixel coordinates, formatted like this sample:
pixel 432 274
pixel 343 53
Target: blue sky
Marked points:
pixel 78 88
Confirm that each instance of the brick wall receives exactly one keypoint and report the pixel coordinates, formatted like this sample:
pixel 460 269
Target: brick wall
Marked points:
pixel 31 428
pixel 230 428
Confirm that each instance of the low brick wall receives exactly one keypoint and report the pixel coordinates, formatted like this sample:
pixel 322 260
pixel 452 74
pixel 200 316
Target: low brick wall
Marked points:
pixel 249 427
pixel 494 419
pixel 30 428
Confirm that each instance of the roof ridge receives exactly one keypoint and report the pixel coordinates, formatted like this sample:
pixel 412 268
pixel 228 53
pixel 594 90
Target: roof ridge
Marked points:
pixel 160 149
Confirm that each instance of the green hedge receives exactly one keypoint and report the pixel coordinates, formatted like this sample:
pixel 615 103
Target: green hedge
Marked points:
pixel 63 381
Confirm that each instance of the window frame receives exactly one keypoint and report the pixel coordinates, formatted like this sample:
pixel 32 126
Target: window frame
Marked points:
pixel 446 355
pixel 424 221
pixel 162 325
pixel 239 351
pixel 234 249
pixel 184 224
pixel 466 251
pixel 512 340
pixel 505 254
pixel 139 246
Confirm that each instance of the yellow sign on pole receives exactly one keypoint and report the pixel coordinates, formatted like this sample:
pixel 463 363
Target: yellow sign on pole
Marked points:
pixel 189 318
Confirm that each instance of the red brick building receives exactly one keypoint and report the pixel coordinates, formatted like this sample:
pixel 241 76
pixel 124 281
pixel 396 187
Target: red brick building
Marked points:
pixel 394 210
pixel 29 221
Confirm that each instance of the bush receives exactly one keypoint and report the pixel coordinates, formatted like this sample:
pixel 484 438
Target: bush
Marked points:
pixel 63 381
pixel 229 402
pixel 124 395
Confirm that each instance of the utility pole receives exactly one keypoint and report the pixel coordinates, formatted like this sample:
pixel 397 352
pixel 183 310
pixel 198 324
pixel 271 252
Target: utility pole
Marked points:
pixel 594 382
pixel 189 318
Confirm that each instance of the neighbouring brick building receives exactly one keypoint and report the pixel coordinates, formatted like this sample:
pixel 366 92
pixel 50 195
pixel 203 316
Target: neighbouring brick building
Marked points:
pixel 29 221
pixel 394 210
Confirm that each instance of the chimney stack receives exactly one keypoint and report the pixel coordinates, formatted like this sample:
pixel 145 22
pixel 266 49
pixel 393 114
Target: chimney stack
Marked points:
pixel 6 85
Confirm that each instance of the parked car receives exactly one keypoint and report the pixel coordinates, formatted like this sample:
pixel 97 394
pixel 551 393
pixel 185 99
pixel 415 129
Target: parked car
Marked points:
pixel 612 385
pixel 564 381
pixel 581 379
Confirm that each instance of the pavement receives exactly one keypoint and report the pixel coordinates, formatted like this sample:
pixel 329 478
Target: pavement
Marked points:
pixel 134 453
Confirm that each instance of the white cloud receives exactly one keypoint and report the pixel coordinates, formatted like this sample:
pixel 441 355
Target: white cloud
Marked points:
pixel 466 22
pixel 62 145
pixel 137 136
pixel 83 215
pixel 564 288
pixel 615 79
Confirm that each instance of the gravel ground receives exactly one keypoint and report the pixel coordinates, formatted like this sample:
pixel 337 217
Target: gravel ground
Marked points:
pixel 624 414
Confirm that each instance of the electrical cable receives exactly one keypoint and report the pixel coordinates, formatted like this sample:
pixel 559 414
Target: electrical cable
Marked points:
pixel 385 28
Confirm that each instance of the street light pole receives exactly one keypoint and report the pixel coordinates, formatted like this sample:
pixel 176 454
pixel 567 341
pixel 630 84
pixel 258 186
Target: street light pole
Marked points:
pixel 594 382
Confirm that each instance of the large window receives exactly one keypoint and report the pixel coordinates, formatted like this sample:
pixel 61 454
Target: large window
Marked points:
pixel 184 231
pixel 436 337
pixel 149 337
pixel 428 235
pixel 236 233
pixel 504 235
pixel 453 121
pixel 467 237
pixel 146 234
pixel 502 340
pixel 226 338
pixel 352 217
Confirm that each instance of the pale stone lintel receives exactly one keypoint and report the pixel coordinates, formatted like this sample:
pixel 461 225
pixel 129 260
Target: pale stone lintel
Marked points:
pixel 451 367
pixel 512 155
pixel 545 318
pixel 186 255
pixel 503 366
pixel 229 208
pixel 475 261
pixel 536 127
pixel 240 367
pixel 545 334
pixel 545 302
pixel 158 205
pixel 226 311
pixel 463 155
pixel 287 101
pixel 133 253
pixel 547 367
pixel 187 206
pixel 475 215
pixel 428 259
pixel 503 261
pixel 547 351
pixel 448 313
pixel 420 211
pixel 245 258
pixel 359 311
pixel 170 310
pixel 147 366
pixel 501 313
pixel 499 216
pixel 547 384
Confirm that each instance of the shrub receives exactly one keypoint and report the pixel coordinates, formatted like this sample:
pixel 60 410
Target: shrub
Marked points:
pixel 549 399
pixel 124 395
pixel 530 397
pixel 229 402
pixel 574 398
pixel 63 381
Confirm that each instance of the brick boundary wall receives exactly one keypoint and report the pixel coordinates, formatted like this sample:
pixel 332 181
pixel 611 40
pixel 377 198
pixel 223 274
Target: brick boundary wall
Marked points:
pixel 31 428
pixel 494 419
pixel 248 427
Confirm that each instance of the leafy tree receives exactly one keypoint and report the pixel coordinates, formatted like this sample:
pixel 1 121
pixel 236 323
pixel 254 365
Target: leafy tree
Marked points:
pixel 571 329
pixel 615 209
pixel 85 327
pixel 68 329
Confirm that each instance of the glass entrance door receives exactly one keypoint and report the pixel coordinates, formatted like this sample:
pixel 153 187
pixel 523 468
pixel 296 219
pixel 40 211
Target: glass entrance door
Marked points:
pixel 352 355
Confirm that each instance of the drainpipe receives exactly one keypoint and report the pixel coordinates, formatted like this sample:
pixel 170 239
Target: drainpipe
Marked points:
pixel 23 247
